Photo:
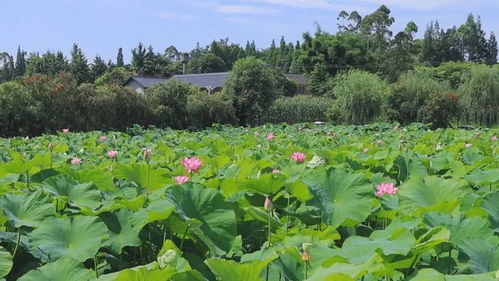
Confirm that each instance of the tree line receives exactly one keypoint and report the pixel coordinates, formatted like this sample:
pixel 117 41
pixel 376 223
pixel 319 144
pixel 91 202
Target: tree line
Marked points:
pixel 361 42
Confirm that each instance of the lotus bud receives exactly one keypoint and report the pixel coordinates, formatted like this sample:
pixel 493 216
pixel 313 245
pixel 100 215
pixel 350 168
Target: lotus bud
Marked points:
pixel 147 154
pixel 50 146
pixel 268 204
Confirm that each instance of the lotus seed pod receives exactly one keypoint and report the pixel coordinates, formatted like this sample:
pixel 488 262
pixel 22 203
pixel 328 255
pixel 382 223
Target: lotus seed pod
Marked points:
pixel 305 257
pixel 306 247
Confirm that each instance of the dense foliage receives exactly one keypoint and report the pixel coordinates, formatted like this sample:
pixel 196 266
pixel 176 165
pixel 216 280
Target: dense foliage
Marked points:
pixel 300 108
pixel 292 203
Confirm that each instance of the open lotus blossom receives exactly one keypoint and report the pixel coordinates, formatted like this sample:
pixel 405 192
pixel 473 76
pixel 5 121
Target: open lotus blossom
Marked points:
pixel 298 157
pixel 147 154
pixel 494 138
pixel 112 154
pixel 385 188
pixel 468 145
pixel 192 164
pixel 268 205
pixel 379 142
pixel 181 179
pixel 75 161
pixel 65 131
pixel 102 138
pixel 270 136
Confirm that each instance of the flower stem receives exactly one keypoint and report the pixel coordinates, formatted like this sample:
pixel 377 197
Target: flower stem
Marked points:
pixel 17 242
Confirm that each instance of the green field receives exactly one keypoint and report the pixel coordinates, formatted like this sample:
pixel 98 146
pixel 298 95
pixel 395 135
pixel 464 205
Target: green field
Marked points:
pixel 377 202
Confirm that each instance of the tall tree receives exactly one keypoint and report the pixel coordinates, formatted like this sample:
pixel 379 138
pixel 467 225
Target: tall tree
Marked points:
pixel 20 67
pixel 474 41
pixel 139 57
pixel 79 65
pixel 119 58
pixel 492 49
pixel 98 67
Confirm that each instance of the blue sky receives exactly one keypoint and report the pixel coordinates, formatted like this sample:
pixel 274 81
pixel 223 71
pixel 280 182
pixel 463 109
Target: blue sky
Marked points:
pixel 100 27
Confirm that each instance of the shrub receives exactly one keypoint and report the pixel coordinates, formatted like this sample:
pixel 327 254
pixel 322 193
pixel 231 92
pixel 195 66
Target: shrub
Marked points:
pixel 411 93
pixel 168 103
pixel 299 108
pixel 360 97
pixel 480 96
pixel 252 86
pixel 206 109
pixel 441 109
pixel 18 110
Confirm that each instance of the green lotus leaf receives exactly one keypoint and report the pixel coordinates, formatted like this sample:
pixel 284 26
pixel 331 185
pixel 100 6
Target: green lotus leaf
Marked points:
pixel 122 230
pixel 483 255
pixel 227 270
pixel 138 173
pixel 143 274
pixel 5 262
pixel 340 196
pixel 343 270
pixel 81 195
pixel 430 191
pixel 429 274
pixel 481 177
pixel 492 208
pixel 61 270
pixel 27 210
pixel 207 205
pixel 77 237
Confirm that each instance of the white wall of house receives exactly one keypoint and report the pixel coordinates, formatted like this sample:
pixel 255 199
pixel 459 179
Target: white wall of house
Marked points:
pixel 136 86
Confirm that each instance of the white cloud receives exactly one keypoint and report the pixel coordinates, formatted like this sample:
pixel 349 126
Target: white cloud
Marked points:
pixel 301 3
pixel 243 9
pixel 418 4
pixel 176 16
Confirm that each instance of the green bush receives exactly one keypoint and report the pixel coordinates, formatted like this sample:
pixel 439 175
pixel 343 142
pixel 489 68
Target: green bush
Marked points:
pixel 18 109
pixel 441 109
pixel 480 96
pixel 301 108
pixel 360 97
pixel 206 109
pixel 411 93
pixel 168 103
pixel 252 86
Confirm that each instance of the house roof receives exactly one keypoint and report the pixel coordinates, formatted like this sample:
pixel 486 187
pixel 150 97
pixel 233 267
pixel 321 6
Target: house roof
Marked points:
pixel 146 82
pixel 205 80
pixel 299 79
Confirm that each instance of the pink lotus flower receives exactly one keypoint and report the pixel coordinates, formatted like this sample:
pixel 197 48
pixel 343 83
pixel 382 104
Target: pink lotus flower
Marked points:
pixel 366 150
pixel 331 134
pixel 192 165
pixel 298 157
pixel 147 154
pixel 468 145
pixel 181 179
pixel 379 142
pixel 267 205
pixel 494 138
pixel 75 161
pixel 65 131
pixel 478 133
pixel 270 136
pixel 112 154
pixel 102 138
pixel 385 188
pixel 276 171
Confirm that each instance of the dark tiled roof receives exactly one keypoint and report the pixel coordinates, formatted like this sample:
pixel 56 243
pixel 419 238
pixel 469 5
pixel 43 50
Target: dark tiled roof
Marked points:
pixel 206 80
pixel 211 80
pixel 147 82
pixel 298 78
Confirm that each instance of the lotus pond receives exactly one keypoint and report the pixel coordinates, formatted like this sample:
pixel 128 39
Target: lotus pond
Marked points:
pixel 302 202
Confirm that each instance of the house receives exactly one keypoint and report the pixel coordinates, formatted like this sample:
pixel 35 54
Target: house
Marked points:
pixel 211 82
